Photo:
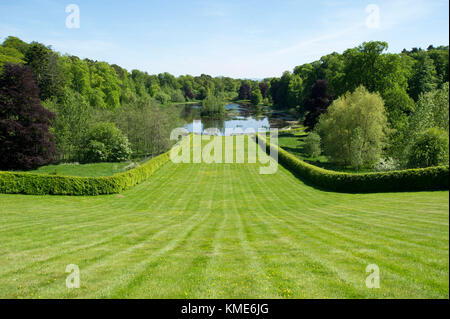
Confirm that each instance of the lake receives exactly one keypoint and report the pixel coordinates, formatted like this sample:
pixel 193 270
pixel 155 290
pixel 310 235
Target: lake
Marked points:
pixel 238 118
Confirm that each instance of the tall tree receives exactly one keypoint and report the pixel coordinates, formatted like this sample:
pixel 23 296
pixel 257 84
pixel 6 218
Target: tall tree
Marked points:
pixel 45 65
pixel 424 76
pixel 245 91
pixel 317 103
pixel 25 140
pixel 263 87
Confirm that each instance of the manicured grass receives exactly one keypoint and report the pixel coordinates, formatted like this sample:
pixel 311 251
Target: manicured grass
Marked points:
pixel 225 231
pixel 74 169
pixel 293 141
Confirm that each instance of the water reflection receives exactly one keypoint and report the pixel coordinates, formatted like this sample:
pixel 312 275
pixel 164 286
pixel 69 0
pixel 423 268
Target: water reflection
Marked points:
pixel 238 118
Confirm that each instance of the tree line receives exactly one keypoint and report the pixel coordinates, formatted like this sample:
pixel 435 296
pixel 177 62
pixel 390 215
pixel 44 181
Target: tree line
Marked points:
pixel 90 102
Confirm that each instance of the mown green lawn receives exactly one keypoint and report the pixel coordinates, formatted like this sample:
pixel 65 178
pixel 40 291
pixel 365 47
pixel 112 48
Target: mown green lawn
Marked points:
pixel 75 169
pixel 225 231
pixel 293 141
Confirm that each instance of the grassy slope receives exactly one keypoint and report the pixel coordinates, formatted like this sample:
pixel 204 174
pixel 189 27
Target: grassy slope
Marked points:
pixel 293 141
pixel 91 170
pixel 222 231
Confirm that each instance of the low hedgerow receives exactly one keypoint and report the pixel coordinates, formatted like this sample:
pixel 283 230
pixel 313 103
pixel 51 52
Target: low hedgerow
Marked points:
pixel 430 178
pixel 39 184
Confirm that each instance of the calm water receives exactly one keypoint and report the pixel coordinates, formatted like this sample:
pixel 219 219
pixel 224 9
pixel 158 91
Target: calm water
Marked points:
pixel 238 118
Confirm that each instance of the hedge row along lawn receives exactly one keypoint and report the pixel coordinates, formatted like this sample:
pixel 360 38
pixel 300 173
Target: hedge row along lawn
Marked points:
pixel 225 231
pixel 41 184
pixel 420 179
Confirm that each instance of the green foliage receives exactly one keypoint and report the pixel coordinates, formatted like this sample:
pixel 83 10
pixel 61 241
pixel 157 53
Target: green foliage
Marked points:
pixel 431 148
pixel 16 43
pixel 105 143
pixel 312 144
pixel 177 96
pixel 10 55
pixel 256 97
pixel 213 106
pixel 162 97
pixel 38 184
pixel 146 125
pixel 353 130
pixel 431 178
pixel 424 78
pixel 73 115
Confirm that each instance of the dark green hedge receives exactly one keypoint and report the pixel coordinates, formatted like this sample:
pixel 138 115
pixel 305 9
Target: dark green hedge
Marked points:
pixel 37 184
pixel 431 178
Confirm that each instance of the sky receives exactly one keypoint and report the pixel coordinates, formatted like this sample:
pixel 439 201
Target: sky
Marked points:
pixel 240 39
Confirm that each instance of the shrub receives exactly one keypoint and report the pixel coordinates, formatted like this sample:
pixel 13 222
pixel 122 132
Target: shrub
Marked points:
pixel 312 144
pixel 106 143
pixel 431 148
pixel 431 178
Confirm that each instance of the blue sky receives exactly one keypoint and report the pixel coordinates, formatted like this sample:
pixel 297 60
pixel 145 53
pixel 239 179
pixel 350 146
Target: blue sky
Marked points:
pixel 251 39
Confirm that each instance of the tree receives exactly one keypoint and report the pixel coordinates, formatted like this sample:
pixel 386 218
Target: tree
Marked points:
pixel 188 93
pixel 317 103
pixel 25 140
pixel 353 129
pixel 213 106
pixel 45 66
pixel 432 110
pixel 264 88
pixel 430 149
pixel 73 115
pixel 256 97
pixel 245 91
pixel 424 78
pixel 105 143
pixel 16 43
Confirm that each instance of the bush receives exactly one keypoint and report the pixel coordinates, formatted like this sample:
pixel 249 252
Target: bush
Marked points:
pixel 430 149
pixel 312 144
pixel 432 178
pixel 106 143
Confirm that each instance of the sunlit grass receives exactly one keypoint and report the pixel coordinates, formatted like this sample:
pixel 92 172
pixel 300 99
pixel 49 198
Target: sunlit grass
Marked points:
pixel 75 169
pixel 225 231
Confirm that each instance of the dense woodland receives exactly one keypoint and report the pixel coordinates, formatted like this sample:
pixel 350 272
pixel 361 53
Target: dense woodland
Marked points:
pixel 95 111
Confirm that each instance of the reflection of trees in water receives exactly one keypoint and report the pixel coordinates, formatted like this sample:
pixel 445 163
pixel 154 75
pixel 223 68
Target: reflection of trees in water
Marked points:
pixel 190 112
pixel 213 123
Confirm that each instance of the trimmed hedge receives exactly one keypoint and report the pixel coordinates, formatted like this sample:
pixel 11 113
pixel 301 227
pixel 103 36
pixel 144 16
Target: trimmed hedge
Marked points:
pixel 38 184
pixel 431 178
